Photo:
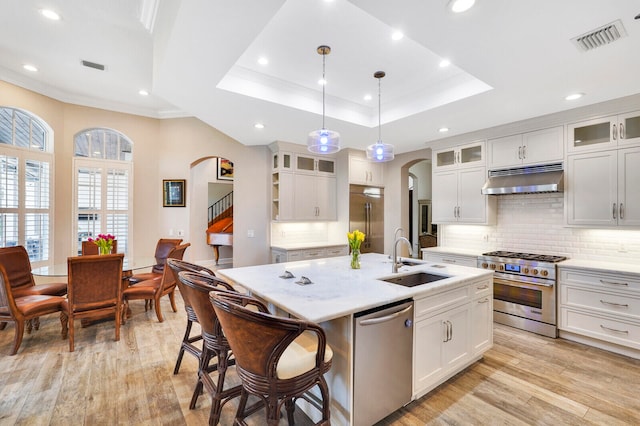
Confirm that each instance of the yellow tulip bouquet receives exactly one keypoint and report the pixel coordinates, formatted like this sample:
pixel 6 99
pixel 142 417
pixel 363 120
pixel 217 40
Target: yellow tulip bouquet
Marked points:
pixel 355 239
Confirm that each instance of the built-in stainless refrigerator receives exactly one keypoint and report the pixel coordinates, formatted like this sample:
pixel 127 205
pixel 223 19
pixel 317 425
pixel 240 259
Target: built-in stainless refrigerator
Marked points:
pixel 366 213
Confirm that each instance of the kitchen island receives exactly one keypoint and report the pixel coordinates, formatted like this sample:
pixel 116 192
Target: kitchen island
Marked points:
pixel 452 316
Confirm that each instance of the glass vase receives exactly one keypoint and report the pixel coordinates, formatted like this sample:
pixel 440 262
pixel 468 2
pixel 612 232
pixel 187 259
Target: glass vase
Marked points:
pixel 104 249
pixel 355 259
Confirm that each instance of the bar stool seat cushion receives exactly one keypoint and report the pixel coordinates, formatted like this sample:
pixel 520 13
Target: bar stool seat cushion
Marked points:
pixel 300 356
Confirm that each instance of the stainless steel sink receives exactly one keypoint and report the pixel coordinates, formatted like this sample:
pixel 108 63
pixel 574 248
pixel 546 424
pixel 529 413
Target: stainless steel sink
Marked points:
pixel 412 280
pixel 410 263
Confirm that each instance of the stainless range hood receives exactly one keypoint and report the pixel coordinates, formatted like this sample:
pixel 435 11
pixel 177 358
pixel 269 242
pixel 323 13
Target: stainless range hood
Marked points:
pixel 525 180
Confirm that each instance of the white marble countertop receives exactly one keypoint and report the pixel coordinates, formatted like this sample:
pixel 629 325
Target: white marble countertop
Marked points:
pixel 611 267
pixel 302 246
pixel 455 250
pixel 338 290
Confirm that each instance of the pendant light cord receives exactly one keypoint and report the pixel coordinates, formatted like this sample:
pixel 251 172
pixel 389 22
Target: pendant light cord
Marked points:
pixel 324 83
pixel 379 114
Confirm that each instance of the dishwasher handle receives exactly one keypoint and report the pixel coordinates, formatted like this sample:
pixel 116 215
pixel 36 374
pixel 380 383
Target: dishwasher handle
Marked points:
pixel 378 320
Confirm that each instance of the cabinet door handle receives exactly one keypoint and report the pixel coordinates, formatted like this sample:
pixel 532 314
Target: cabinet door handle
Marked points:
pixel 446 332
pixel 450 330
pixel 621 131
pixel 484 287
pixel 614 134
pixel 621 215
pixel 519 153
pixel 458 212
pixel 614 283
pixel 448 261
pixel 614 330
pixel 485 300
pixel 622 305
pixel 524 152
pixel 614 211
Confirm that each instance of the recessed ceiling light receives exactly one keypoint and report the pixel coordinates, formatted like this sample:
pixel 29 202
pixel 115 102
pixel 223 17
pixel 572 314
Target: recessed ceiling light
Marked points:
pixel 443 129
pixel 259 126
pixel 458 6
pixel 444 63
pixel 30 67
pixel 50 14
pixel 574 96
pixel 143 92
pixel 367 97
pixel 322 82
pixel 263 61
pixel 397 35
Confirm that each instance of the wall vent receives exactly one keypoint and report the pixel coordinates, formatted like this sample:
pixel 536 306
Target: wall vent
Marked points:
pixel 93 65
pixel 600 36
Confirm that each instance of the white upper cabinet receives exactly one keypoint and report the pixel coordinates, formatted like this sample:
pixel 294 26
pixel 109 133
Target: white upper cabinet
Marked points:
pixel 531 148
pixel 456 197
pixel 604 133
pixel 470 155
pixel 306 164
pixel 365 172
pixel 603 188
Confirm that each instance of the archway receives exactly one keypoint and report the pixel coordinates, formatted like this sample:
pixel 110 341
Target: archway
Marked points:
pixel 210 183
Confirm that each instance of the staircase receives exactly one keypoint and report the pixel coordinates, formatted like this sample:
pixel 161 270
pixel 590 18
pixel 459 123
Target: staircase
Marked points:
pixel 220 224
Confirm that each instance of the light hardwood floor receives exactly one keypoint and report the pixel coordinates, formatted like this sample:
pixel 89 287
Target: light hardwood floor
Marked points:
pixel 525 379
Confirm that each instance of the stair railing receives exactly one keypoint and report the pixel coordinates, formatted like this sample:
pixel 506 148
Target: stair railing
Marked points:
pixel 221 208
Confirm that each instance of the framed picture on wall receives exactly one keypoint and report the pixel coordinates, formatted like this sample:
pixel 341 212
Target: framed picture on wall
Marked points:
pixel 174 192
pixel 225 169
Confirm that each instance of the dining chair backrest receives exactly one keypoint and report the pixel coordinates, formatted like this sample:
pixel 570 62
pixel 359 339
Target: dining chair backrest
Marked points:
pixel 7 302
pixel 163 249
pixel 94 281
pixel 89 247
pixel 17 266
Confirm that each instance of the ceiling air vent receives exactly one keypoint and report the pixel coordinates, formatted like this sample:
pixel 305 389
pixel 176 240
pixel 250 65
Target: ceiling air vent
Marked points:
pixel 93 65
pixel 600 36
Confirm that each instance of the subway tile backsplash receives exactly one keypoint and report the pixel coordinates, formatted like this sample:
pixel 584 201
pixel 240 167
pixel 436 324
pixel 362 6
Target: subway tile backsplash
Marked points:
pixel 534 223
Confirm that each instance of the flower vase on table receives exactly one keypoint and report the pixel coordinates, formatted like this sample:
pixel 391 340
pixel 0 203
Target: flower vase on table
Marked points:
pixel 355 239
pixel 104 243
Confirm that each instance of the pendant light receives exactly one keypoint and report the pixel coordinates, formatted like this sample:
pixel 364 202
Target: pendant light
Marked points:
pixel 380 151
pixel 323 141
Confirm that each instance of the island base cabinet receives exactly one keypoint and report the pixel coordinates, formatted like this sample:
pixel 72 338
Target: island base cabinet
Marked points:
pixel 441 345
pixel 481 324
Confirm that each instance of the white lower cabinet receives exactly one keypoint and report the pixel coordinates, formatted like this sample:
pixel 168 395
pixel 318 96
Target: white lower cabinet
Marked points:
pixel 600 305
pixel 452 329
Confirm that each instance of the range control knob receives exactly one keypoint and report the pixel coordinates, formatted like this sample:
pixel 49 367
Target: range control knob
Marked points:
pixel 534 272
pixel 544 272
pixel 525 270
pixel 485 265
pixel 501 267
pixel 492 266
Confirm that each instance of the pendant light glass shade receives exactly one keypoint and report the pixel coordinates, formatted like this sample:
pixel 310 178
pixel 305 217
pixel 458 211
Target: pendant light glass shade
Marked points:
pixel 380 151
pixel 323 141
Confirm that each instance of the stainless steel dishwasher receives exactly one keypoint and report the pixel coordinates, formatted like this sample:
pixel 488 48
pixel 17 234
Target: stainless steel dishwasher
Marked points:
pixel 383 353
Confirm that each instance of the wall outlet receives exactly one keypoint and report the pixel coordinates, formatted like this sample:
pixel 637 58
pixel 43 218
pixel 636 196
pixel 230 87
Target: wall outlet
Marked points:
pixel 171 232
pixel 250 233
pixel 180 232
pixel 485 238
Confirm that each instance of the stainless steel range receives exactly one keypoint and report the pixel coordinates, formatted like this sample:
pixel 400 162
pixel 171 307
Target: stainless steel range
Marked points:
pixel 524 290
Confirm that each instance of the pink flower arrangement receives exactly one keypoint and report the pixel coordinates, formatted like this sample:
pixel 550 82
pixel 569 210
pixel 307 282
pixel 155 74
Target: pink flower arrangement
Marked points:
pixel 104 243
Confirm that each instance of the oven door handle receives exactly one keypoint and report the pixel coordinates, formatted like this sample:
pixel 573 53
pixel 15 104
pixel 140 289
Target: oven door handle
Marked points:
pixel 498 279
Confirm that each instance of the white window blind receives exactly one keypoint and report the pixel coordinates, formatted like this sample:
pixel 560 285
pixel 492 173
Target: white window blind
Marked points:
pixel 103 186
pixel 25 184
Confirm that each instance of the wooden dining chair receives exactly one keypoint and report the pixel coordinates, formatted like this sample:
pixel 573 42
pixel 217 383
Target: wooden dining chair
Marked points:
pixel 95 291
pixel 18 267
pixel 197 287
pixel 23 310
pixel 188 341
pixel 163 248
pixel 91 248
pixel 152 290
pixel 277 359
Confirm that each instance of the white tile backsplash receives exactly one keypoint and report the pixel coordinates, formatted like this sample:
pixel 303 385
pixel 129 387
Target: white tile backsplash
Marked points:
pixel 534 223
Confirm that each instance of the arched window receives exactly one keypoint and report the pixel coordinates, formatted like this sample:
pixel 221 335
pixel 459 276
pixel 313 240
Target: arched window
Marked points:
pixel 25 183
pixel 103 188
